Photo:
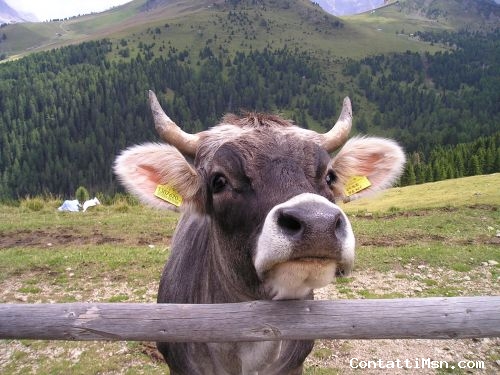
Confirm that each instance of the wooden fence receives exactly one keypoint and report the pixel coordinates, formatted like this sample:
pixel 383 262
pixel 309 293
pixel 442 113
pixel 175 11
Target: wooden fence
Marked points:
pixel 412 318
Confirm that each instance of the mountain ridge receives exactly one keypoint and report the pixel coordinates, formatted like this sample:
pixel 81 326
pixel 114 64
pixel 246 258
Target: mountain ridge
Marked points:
pixel 11 15
pixel 300 23
pixel 349 7
pixel 428 7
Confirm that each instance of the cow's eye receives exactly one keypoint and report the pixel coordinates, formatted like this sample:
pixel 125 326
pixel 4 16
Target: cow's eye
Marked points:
pixel 330 178
pixel 219 182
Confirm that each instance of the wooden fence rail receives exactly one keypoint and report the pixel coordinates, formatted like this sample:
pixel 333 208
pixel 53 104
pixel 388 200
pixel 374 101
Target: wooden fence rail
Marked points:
pixel 412 318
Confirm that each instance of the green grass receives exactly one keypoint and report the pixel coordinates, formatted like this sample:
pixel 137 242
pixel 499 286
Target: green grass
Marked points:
pixel 468 191
pixel 80 358
pixel 321 371
pixel 104 255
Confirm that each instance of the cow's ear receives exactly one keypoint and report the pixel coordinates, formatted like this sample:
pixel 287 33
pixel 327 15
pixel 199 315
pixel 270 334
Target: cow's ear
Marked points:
pixel 155 172
pixel 367 165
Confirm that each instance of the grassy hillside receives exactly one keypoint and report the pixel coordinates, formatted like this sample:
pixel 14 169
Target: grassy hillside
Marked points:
pixel 297 24
pixel 477 190
pixel 442 241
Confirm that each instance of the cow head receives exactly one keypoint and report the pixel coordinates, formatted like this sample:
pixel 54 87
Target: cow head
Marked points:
pixel 269 190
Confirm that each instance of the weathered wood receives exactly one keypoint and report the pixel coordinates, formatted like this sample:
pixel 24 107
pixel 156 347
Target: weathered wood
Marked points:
pixel 416 318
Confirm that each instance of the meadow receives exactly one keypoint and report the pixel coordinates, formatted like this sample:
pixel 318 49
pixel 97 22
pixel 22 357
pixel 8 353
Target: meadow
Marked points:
pixel 438 239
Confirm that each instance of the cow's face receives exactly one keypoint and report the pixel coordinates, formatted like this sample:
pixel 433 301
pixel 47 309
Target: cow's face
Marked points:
pixel 270 190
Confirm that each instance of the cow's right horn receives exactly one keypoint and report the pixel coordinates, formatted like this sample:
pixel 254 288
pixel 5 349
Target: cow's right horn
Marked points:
pixel 338 135
pixel 169 131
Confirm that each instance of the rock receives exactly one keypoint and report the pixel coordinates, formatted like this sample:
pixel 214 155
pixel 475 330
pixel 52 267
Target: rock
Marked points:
pixel 492 262
pixel 21 297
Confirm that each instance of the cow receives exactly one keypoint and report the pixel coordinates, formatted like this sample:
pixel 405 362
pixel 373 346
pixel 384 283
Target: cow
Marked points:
pixel 258 220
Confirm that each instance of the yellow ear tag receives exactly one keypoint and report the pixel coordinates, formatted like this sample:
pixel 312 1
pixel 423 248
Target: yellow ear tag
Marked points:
pixel 169 194
pixel 355 184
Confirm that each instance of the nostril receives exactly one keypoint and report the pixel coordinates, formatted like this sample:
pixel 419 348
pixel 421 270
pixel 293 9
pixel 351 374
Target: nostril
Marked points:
pixel 289 222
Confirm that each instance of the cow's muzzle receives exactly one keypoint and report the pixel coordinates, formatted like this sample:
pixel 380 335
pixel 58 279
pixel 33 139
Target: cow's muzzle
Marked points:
pixel 304 242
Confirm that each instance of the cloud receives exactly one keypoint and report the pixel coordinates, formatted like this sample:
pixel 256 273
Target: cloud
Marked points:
pixel 52 9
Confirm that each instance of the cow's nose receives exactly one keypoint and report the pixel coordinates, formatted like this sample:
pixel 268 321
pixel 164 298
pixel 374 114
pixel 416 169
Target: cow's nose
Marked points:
pixel 308 222
pixel 291 222
pixel 308 228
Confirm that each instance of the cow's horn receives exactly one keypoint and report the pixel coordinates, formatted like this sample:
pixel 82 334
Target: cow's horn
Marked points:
pixel 170 132
pixel 337 135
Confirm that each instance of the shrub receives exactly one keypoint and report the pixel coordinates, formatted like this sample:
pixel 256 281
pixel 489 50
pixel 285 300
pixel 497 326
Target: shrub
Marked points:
pixel 82 194
pixel 121 207
pixel 33 204
pixel 126 199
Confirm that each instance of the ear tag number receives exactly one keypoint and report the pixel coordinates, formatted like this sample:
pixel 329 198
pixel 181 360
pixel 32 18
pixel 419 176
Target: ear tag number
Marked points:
pixel 169 194
pixel 356 184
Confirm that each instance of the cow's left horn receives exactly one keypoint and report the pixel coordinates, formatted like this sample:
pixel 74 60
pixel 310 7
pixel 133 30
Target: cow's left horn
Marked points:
pixel 337 135
pixel 169 131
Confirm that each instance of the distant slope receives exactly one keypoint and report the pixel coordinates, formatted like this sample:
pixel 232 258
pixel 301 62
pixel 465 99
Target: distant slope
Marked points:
pixel 457 192
pixel 247 24
pixel 192 23
pixel 410 16
pixel 455 13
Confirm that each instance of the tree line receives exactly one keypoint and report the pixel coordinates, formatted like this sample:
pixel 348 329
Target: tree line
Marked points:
pixel 437 99
pixel 481 156
pixel 65 114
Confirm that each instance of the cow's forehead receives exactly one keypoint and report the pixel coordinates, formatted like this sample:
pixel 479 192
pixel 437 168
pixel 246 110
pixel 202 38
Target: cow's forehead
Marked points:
pixel 249 136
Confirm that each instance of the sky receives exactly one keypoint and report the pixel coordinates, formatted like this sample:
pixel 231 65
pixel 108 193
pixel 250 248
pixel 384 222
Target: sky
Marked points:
pixel 51 9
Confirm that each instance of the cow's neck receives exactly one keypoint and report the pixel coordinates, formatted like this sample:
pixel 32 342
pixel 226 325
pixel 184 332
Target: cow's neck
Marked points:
pixel 232 269
pixel 207 266
pixel 197 273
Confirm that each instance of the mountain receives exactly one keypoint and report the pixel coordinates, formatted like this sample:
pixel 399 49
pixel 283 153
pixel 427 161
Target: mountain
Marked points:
pixel 299 23
pixel 66 113
pixel 453 13
pixel 407 18
pixel 429 8
pixel 349 7
pixel 230 24
pixel 10 15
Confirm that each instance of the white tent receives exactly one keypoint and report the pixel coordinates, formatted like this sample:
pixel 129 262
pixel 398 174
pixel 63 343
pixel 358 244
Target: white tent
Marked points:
pixel 72 206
